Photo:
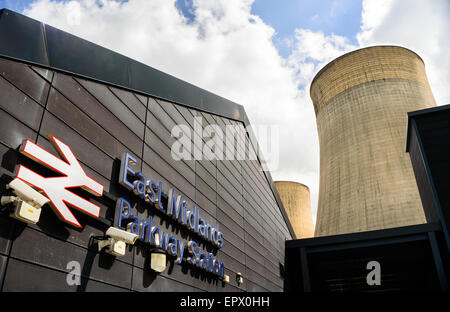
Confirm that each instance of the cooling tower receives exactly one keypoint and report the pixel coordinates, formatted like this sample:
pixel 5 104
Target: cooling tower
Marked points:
pixel 296 200
pixel 366 178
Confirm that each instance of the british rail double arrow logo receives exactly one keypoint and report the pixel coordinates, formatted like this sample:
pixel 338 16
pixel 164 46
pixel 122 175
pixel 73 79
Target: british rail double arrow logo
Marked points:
pixel 56 188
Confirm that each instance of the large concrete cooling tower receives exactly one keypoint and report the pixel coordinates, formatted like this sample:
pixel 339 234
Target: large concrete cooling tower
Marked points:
pixel 361 100
pixel 296 200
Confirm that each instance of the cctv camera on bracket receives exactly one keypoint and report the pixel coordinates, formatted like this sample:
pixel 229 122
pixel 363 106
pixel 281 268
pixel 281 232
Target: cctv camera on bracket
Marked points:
pixel 115 243
pixel 27 201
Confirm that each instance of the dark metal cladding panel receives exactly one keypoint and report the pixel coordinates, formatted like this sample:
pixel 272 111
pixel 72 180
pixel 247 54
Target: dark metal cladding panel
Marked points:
pixel 142 98
pixel 6 226
pixel 76 94
pixel 206 204
pixel 39 248
pixel 256 279
pixel 163 114
pixel 163 168
pixel 152 174
pixel 146 281
pixel 25 79
pixel 236 215
pixel 19 105
pixel 233 238
pixel 63 109
pixel 75 55
pixel 205 175
pixel 44 72
pixel 229 198
pixel 132 102
pixel 255 264
pixel 162 85
pixel 109 100
pixel 423 181
pixel 3 261
pixel 233 251
pixel 231 189
pixel 192 276
pixel 233 177
pixel 85 151
pixel 206 190
pixel 433 130
pixel 8 159
pixel 261 252
pixel 13 132
pixel 22 38
pixel 27 277
pixel 231 263
pixel 186 168
pixel 252 287
pixel 42 279
pixel 234 224
pixel 95 286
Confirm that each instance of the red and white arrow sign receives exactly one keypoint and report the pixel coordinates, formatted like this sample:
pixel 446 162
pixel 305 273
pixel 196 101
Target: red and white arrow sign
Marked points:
pixel 56 187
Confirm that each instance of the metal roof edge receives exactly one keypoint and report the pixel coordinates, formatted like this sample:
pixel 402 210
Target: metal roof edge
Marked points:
pixel 421 112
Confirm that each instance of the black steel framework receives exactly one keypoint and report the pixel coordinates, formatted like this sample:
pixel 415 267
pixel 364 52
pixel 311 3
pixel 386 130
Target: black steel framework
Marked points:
pixel 304 274
pixel 427 144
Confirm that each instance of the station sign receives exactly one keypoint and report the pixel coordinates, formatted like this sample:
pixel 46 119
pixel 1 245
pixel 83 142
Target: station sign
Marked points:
pixel 71 175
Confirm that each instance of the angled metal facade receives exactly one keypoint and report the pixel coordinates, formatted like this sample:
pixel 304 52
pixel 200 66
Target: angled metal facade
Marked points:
pixel 100 117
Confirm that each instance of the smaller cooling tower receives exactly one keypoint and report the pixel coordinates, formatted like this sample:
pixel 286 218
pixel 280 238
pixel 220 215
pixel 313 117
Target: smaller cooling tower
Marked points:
pixel 296 200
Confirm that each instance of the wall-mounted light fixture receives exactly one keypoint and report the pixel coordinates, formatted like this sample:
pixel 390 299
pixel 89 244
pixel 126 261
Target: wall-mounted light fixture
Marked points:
pixel 226 279
pixel 115 241
pixel 158 259
pixel 27 202
pixel 239 278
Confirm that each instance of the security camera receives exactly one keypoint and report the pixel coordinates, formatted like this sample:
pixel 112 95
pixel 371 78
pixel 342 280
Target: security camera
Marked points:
pixel 239 278
pixel 122 235
pixel 116 243
pixel 27 204
pixel 27 193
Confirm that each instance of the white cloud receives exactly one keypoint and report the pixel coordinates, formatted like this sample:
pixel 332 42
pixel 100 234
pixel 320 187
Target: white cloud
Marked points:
pixel 420 25
pixel 373 14
pixel 312 51
pixel 230 52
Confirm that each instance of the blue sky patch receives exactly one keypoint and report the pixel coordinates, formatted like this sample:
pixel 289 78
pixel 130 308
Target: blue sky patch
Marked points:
pixel 339 17
pixel 186 7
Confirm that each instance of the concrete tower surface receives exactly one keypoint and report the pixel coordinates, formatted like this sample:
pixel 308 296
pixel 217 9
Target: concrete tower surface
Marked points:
pixel 296 200
pixel 361 100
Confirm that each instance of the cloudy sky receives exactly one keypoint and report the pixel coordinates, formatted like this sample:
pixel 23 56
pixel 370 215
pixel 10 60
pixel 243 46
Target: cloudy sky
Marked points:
pixel 261 54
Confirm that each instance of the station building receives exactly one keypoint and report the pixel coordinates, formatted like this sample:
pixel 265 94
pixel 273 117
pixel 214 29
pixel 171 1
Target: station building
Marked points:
pixel 92 131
